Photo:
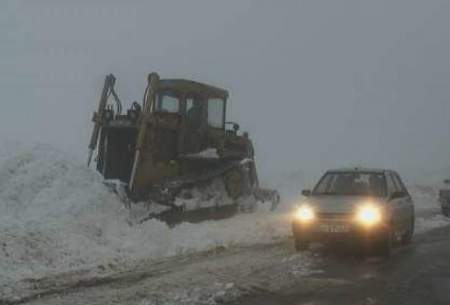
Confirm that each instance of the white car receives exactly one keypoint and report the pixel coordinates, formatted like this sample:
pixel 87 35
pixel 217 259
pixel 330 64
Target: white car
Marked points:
pixel 369 206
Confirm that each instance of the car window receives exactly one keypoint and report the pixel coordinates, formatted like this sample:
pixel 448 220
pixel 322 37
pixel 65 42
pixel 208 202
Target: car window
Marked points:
pixel 351 184
pixel 324 184
pixel 400 183
pixel 390 184
pixel 397 186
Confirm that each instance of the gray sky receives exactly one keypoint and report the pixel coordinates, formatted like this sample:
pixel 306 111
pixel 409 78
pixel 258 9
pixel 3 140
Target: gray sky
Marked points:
pixel 317 83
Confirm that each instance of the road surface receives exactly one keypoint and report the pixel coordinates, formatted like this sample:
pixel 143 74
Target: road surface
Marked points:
pixel 271 274
pixel 416 274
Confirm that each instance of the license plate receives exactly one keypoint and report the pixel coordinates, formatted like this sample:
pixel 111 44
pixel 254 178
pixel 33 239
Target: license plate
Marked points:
pixel 332 228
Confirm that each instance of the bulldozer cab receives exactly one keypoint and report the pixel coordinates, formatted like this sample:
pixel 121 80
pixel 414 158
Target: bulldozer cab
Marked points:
pixel 200 109
pixel 176 141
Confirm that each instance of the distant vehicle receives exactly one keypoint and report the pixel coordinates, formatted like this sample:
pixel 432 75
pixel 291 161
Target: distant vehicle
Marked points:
pixel 444 198
pixel 369 206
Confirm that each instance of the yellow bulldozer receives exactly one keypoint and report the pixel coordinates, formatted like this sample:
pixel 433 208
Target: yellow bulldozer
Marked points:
pixel 178 139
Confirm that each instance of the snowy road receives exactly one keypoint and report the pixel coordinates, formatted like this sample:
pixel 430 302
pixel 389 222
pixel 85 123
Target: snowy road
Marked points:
pixel 416 275
pixel 264 274
pixel 66 239
pixel 206 278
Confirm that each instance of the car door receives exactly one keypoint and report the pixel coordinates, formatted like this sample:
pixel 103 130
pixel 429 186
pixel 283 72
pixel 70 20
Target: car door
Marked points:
pixel 395 206
pixel 407 206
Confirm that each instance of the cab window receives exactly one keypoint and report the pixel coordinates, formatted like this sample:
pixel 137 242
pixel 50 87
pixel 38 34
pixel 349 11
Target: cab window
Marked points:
pixel 216 112
pixel 167 102
pixel 194 111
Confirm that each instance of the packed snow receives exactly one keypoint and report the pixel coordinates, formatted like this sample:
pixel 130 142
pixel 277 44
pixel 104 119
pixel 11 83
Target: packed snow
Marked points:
pixel 424 224
pixel 212 294
pixel 427 206
pixel 57 215
pixel 289 269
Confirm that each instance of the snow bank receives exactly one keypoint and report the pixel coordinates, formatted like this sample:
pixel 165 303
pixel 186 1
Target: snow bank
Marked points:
pixel 428 209
pixel 424 224
pixel 425 198
pixel 57 215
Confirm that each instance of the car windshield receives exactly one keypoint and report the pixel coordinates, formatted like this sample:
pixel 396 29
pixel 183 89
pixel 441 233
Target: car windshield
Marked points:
pixel 351 184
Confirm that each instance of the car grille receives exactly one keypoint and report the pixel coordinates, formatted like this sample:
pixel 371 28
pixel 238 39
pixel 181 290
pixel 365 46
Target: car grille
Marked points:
pixel 335 216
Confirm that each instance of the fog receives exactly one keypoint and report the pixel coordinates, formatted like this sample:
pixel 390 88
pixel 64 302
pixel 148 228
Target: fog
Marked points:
pixel 316 83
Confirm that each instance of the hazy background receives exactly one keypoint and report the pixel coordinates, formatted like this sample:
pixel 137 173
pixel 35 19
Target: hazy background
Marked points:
pixel 316 83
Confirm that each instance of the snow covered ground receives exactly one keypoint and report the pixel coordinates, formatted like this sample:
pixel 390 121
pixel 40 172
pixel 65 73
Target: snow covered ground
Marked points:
pixel 56 216
pixel 427 206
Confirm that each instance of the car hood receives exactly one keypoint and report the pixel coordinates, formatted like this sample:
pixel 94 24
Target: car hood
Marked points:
pixel 339 204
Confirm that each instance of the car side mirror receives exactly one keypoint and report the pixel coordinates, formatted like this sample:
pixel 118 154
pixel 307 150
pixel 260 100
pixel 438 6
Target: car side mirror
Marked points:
pixel 306 193
pixel 447 181
pixel 397 194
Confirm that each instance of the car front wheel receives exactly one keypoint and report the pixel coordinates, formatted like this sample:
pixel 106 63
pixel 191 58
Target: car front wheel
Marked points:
pixel 407 237
pixel 385 246
pixel 301 244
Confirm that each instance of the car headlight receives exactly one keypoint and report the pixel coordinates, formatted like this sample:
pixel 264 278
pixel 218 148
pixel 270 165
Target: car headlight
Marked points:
pixel 305 213
pixel 368 214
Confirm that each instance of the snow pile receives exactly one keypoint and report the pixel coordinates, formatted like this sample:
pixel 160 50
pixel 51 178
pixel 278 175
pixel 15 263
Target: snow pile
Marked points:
pixel 208 196
pixel 425 197
pixel 424 224
pixel 427 206
pixel 57 215
pixel 53 213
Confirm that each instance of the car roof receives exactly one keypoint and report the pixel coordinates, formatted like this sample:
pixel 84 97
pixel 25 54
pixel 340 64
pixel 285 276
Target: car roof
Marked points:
pixel 360 170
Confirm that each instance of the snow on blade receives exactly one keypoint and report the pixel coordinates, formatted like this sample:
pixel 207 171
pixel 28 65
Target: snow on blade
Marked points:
pixel 207 153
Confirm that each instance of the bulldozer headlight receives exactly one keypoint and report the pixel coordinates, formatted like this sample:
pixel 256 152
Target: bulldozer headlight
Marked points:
pixel 368 214
pixel 305 213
